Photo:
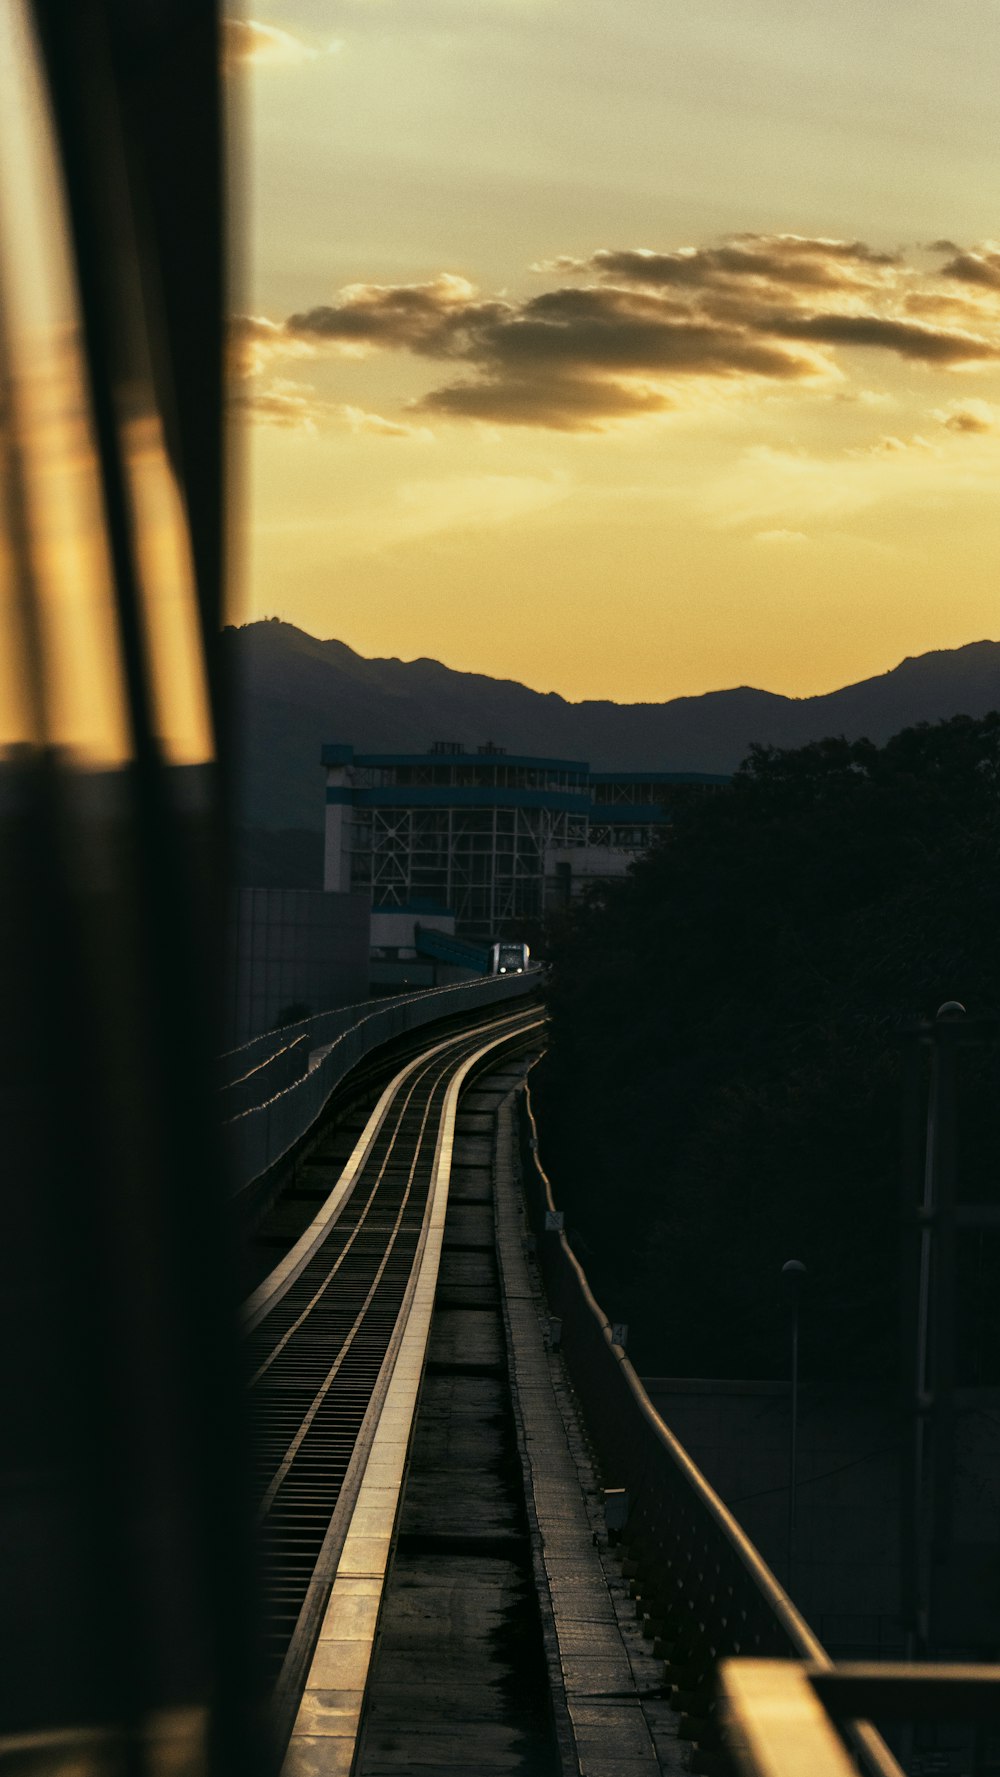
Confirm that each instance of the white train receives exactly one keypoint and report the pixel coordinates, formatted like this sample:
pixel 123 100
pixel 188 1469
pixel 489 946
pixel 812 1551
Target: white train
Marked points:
pixel 508 959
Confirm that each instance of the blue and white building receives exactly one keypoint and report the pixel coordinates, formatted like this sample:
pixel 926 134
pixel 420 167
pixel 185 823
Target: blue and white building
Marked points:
pixel 488 838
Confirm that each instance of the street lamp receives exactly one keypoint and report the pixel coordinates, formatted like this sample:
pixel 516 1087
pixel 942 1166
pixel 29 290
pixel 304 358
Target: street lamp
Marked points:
pixel 793 1274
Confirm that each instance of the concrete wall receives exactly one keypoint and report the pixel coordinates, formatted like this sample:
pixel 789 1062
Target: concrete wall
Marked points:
pixel 571 869
pixel 400 975
pixel 393 929
pixel 292 947
pixel 337 835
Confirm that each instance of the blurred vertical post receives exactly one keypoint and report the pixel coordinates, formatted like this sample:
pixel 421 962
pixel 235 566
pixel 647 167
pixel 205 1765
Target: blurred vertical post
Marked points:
pixel 793 1274
pixel 928 1488
pixel 128 1610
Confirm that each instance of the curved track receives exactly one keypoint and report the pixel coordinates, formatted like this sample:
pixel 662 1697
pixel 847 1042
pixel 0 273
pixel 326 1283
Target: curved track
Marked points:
pixel 317 1352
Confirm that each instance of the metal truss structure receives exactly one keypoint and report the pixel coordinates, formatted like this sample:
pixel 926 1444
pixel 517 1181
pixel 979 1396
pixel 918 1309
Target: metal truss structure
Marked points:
pixel 622 836
pixel 649 790
pixel 487 865
pixel 626 793
pixel 482 835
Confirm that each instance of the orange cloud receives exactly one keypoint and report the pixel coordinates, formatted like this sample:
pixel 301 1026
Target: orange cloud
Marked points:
pixel 911 339
pixel 437 318
pixel 254 342
pixel 783 260
pixel 246 41
pixel 636 328
pixel 982 267
pixel 296 407
pixel 969 416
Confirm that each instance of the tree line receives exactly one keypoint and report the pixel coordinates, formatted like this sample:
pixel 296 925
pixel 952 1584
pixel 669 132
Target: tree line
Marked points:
pixel 722 1091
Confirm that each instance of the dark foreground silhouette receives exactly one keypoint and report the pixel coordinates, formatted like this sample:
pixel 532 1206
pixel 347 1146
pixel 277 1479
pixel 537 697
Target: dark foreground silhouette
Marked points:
pixel 723 1086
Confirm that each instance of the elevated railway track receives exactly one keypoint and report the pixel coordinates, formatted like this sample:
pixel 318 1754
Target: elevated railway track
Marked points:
pixel 396 1610
pixel 324 1329
pixel 124 1608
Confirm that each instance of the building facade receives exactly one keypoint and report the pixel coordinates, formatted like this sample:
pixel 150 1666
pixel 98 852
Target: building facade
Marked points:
pixel 292 952
pixel 489 837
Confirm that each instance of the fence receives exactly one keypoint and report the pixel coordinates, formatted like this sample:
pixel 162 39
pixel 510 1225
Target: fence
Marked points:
pixel 704 1592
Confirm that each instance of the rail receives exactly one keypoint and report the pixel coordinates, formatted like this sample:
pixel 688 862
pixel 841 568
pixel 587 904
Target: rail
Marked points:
pixel 705 1593
pixel 324 1333
pixel 262 1138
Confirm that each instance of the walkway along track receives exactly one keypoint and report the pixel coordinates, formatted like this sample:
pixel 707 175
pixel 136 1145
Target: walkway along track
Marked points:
pixel 459 1680
pixel 322 1332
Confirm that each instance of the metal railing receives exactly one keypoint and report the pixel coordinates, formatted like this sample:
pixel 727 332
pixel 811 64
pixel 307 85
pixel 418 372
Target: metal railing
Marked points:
pixel 703 1591
pixel 263 1136
pixel 781 1717
pixel 324 1027
pixel 266 1079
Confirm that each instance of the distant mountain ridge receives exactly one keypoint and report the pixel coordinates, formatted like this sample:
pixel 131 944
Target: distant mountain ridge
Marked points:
pixel 297 692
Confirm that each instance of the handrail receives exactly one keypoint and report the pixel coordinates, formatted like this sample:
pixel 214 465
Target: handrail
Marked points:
pixel 263 1137
pixel 706 1592
pixel 236 1064
pixel 781 1715
pixel 265 1079
pixel 806 1644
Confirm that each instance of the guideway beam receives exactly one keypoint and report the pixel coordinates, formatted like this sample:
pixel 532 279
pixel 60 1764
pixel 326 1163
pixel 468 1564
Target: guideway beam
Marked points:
pixel 336 1343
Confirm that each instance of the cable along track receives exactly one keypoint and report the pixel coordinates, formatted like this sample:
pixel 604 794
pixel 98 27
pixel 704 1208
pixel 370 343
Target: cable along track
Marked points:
pixel 316 1354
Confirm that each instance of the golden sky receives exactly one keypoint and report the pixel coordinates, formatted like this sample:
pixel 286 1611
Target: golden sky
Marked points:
pixel 630 351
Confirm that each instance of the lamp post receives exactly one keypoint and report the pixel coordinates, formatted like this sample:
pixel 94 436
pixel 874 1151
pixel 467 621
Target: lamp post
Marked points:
pixel 793 1274
pixel 932 1455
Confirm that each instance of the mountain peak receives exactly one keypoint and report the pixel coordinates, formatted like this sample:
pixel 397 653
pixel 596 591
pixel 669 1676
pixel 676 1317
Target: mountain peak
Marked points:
pixel 299 691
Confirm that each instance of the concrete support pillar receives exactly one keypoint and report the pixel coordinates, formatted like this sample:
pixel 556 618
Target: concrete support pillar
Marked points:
pixel 339 794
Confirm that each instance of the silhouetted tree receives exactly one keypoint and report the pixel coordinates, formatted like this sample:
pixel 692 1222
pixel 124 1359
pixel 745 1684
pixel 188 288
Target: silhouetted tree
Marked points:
pixel 722 1091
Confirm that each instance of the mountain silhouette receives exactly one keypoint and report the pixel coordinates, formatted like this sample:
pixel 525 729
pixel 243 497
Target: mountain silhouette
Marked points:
pixel 295 692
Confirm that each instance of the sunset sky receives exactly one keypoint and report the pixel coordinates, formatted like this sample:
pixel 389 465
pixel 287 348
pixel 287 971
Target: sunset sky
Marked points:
pixel 626 350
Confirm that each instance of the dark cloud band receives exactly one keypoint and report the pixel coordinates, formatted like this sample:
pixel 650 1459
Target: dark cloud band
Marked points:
pixel 623 331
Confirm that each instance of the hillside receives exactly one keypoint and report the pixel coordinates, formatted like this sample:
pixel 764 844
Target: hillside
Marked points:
pixel 296 692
